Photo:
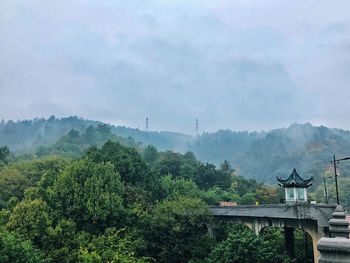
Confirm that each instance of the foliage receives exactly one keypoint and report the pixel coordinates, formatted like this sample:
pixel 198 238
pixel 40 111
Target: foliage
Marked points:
pixel 112 247
pixel 132 168
pixel 75 143
pixel 12 185
pixel 61 243
pixel 343 190
pixel 303 246
pixel 30 219
pixel 150 154
pixel 176 187
pixel 4 155
pixel 90 194
pixel 243 246
pixel 17 177
pixel 24 135
pixel 215 194
pixel 178 231
pixel 115 204
pixel 15 249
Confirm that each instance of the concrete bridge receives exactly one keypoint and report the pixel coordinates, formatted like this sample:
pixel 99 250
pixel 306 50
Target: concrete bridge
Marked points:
pixel 312 218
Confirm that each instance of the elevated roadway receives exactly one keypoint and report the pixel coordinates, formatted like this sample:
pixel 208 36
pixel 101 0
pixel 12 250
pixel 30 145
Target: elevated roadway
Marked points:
pixel 312 218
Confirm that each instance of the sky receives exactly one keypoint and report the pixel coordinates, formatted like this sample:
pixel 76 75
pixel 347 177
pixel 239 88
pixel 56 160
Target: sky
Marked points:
pixel 240 65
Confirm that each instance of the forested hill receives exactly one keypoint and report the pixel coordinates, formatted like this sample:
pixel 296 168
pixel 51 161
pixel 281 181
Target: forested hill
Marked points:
pixel 260 155
pixel 28 134
pixel 24 135
pixel 162 140
pixel 266 155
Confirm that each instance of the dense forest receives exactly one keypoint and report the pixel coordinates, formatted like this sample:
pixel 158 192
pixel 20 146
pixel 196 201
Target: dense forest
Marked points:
pixel 258 155
pixel 265 155
pixel 25 134
pixel 93 196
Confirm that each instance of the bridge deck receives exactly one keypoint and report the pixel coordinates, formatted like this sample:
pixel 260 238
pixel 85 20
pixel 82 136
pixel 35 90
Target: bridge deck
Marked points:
pixel 319 212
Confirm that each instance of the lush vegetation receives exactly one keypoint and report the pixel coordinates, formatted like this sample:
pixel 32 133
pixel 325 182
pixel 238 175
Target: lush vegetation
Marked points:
pixel 81 193
pixel 258 155
pixel 265 155
pixel 110 202
pixel 23 135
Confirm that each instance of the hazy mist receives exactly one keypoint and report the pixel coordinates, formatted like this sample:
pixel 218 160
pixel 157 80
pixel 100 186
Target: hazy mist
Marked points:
pixel 243 65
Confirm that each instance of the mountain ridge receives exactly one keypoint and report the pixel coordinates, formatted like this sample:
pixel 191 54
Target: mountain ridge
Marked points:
pixel 261 155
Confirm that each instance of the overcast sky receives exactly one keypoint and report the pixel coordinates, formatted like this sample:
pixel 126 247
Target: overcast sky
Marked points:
pixel 243 65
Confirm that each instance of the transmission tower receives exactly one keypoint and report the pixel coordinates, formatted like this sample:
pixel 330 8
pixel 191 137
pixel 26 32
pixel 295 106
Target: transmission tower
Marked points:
pixel 147 124
pixel 197 130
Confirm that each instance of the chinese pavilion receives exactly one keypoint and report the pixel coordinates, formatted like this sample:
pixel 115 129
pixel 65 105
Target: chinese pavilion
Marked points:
pixel 295 187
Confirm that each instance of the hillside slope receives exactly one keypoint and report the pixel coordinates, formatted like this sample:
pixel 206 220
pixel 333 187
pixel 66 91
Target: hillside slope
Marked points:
pixel 24 135
pixel 259 155
pixel 266 155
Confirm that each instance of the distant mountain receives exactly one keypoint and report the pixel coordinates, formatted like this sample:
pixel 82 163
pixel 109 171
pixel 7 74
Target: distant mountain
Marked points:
pixel 266 155
pixel 26 134
pixel 162 140
pixel 23 135
pixel 259 155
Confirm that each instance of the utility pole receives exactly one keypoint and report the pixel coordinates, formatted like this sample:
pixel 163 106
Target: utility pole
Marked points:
pixel 335 163
pixel 336 178
pixel 325 189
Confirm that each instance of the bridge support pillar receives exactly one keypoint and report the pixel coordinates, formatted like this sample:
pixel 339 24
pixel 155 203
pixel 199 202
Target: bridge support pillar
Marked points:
pixel 210 231
pixel 314 249
pixel 314 237
pixel 289 241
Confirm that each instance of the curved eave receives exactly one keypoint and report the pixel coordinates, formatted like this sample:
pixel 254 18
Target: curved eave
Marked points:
pixel 294 180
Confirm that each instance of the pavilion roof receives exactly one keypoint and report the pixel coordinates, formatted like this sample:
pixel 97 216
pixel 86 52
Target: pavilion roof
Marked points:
pixel 294 180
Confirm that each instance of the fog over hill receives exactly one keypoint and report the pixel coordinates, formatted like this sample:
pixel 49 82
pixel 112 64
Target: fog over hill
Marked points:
pixel 261 155
pixel 25 134
pixel 266 155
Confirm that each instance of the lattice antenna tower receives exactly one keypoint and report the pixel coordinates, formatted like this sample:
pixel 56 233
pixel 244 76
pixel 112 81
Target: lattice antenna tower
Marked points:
pixel 147 124
pixel 197 130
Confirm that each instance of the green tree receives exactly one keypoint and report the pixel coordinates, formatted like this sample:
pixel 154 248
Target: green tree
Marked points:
pixel 12 185
pixel 18 177
pixel 150 154
pixel 134 171
pixel 177 187
pixel 4 155
pixel 60 242
pixel 113 246
pixel 169 163
pixel 127 161
pixel 90 194
pixel 216 194
pixel 15 249
pixel 31 219
pixel 243 246
pixel 35 169
pixel 207 176
pixel 248 199
pixel 226 168
pixel 177 230
pixel 268 195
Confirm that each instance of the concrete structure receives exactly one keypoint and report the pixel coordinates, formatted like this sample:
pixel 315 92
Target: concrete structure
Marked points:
pixel 338 225
pixel 312 218
pixel 334 250
pixel 337 248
